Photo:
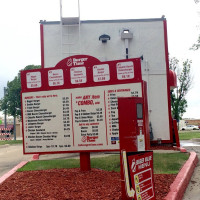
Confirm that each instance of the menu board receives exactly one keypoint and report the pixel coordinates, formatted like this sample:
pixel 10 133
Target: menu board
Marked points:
pixel 74 119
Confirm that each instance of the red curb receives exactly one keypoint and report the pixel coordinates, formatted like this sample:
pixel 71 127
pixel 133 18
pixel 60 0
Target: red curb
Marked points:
pixel 179 186
pixel 35 157
pixel 181 149
pixel 12 171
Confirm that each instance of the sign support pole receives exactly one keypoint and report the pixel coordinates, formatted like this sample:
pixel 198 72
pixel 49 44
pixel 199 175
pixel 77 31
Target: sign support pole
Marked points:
pixel 85 161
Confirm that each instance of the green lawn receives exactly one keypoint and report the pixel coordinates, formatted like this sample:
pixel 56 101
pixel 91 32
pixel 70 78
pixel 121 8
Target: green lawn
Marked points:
pixel 188 135
pixel 169 163
pixel 11 142
pixel 165 163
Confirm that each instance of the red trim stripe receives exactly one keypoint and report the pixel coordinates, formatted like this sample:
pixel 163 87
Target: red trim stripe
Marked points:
pixel 168 80
pixel 105 118
pixel 42 44
pixel 72 119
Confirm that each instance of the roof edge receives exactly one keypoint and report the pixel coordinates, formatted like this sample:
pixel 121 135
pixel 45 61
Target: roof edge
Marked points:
pixel 109 21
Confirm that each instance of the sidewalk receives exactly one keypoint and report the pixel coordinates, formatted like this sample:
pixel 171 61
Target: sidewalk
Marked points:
pixel 193 190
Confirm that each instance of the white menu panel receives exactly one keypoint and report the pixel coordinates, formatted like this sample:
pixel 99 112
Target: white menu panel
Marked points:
pixel 78 75
pixel 125 70
pixel 55 77
pixel 101 73
pixel 33 80
pixel 74 119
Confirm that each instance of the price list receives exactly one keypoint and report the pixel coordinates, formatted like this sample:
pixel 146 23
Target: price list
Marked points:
pixel 66 119
pixel 82 119
pixel 112 108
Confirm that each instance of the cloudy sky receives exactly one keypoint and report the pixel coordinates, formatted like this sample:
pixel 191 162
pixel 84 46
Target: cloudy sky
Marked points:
pixel 20 31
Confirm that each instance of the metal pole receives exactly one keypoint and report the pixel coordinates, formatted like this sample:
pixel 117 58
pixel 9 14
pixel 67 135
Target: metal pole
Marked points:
pixel 177 109
pixel 5 112
pixel 14 127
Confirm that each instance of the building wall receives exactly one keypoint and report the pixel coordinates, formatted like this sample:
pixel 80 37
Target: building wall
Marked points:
pixel 148 40
pixel 19 129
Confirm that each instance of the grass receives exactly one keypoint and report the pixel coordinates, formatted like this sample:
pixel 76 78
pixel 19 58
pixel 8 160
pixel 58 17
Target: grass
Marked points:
pixel 189 135
pixel 10 142
pixel 165 163
pixel 169 163
pixel 110 163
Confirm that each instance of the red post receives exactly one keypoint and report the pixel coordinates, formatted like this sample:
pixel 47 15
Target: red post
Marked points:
pixel 176 133
pixel 85 161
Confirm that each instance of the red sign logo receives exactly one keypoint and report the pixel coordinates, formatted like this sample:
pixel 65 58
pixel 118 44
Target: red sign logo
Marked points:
pixel 69 62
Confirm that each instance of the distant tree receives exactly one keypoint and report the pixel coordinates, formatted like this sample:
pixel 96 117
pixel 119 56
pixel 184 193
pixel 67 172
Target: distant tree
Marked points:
pixel 11 102
pixel 184 82
pixel 196 45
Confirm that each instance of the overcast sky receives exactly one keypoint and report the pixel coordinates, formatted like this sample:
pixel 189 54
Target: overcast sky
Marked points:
pixel 20 31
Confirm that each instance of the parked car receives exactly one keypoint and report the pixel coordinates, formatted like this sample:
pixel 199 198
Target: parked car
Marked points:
pixel 191 127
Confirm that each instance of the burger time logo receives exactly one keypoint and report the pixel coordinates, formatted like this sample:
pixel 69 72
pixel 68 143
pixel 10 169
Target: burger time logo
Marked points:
pixel 76 61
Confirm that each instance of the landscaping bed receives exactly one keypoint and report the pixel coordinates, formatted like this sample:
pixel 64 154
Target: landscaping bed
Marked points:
pixel 72 184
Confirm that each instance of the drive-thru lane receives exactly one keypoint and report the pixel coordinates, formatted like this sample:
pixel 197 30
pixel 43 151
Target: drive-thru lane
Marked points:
pixel 10 156
pixel 193 190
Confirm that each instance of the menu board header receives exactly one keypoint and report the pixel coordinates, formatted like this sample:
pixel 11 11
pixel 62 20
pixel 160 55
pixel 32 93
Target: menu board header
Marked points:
pixel 81 71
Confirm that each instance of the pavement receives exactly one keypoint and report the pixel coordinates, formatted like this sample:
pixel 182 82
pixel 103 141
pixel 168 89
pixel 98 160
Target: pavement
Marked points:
pixel 193 189
pixel 10 156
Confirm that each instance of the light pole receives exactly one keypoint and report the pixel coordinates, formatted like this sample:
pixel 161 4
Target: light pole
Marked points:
pixel 15 122
pixel 5 112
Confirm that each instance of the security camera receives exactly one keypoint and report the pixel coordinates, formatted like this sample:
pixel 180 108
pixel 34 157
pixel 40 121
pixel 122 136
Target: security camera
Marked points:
pixel 104 38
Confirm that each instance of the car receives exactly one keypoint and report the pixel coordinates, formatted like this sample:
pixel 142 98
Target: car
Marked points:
pixel 190 127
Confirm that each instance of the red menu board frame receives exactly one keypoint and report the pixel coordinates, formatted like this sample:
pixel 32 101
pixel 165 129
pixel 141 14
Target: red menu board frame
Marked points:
pixel 45 83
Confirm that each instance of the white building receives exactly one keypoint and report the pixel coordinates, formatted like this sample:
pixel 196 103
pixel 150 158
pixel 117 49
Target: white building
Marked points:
pixel 125 38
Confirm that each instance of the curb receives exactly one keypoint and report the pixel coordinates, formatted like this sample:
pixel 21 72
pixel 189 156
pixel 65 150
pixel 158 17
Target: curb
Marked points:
pixel 180 183
pixel 181 149
pixel 12 171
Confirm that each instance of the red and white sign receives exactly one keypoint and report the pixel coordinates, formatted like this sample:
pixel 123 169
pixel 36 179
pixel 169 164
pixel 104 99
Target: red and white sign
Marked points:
pixel 78 75
pixel 74 111
pixel 125 70
pixel 101 73
pixel 141 175
pixel 33 80
pixel 55 77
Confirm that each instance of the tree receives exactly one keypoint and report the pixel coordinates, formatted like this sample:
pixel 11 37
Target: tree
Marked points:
pixel 184 82
pixel 11 102
pixel 196 45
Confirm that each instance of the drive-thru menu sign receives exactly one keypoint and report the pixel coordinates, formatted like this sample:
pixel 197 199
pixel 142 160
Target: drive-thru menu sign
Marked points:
pixel 73 106
pixel 141 175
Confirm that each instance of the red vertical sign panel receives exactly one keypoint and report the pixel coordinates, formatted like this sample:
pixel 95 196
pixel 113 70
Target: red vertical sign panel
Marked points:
pixel 141 175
